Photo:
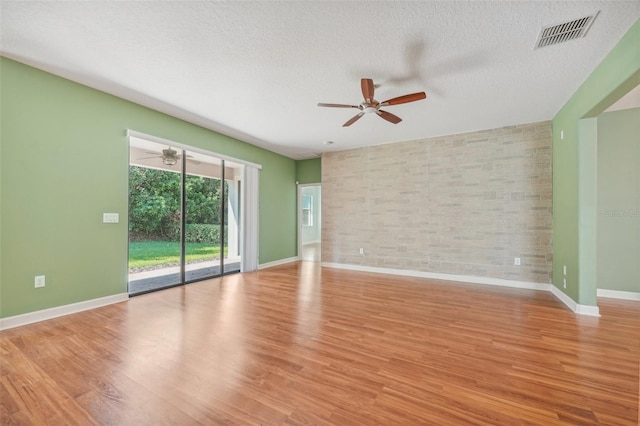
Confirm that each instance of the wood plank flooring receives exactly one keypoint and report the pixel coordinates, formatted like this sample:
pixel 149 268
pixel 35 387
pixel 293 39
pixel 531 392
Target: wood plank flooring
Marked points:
pixel 300 345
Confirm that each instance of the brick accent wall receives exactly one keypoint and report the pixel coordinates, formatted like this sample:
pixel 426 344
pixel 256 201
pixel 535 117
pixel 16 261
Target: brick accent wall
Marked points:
pixel 463 204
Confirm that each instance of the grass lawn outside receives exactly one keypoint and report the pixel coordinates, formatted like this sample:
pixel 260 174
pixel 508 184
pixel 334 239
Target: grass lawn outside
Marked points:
pixel 146 254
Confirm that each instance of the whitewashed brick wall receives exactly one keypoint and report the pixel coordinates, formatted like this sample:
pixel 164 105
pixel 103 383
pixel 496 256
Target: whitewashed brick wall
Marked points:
pixel 462 204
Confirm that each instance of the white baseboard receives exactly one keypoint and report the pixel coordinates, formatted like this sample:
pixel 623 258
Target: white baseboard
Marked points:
pixel 593 311
pixel 617 294
pixel 278 262
pixel 577 308
pixel 446 277
pixel 58 311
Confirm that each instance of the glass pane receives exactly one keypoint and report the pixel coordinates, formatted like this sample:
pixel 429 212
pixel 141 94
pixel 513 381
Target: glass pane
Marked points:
pixel 154 216
pixel 203 216
pixel 233 189
pixel 307 218
pixel 307 201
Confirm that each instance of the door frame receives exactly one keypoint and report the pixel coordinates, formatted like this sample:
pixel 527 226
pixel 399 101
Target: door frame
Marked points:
pixel 299 218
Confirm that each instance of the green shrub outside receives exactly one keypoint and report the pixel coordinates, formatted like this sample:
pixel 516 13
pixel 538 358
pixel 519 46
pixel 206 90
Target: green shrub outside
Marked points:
pixel 154 204
pixel 203 233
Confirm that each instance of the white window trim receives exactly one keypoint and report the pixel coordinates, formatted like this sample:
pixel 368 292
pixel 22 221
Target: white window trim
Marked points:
pixel 135 134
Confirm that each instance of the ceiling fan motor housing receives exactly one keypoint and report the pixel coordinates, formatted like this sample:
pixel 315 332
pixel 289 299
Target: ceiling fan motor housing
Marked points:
pixel 370 107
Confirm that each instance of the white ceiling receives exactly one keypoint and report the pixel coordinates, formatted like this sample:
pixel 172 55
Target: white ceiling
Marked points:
pixel 256 70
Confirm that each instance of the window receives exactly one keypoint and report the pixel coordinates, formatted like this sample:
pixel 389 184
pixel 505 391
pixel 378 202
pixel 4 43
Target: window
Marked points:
pixel 307 210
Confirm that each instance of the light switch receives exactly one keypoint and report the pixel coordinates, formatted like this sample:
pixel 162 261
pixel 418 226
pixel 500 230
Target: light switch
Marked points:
pixel 110 218
pixel 39 281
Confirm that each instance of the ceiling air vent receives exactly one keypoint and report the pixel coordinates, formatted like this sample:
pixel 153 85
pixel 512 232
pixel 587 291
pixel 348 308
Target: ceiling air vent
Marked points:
pixel 566 31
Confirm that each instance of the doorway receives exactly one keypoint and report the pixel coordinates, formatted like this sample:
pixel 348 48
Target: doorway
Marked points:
pixel 309 222
pixel 184 216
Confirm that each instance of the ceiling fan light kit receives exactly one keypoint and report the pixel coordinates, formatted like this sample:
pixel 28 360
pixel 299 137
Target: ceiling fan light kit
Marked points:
pixel 170 161
pixel 370 105
pixel 169 156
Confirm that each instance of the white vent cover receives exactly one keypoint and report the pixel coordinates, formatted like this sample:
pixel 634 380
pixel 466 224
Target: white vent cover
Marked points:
pixel 566 31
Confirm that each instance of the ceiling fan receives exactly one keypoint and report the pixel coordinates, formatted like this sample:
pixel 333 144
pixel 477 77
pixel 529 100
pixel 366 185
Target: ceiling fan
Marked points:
pixel 370 105
pixel 169 157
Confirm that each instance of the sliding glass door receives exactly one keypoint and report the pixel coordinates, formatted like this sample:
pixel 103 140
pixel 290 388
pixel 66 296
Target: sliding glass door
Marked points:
pixel 184 211
pixel 203 227
pixel 155 253
pixel 212 228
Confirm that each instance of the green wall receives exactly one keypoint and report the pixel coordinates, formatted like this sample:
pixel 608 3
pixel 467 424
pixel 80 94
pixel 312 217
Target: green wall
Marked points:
pixel 309 171
pixel 574 171
pixel 64 162
pixel 618 234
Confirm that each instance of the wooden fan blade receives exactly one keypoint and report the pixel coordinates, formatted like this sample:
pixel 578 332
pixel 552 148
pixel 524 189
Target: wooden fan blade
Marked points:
pixel 367 89
pixel 353 120
pixel 337 105
pixel 389 117
pixel 404 99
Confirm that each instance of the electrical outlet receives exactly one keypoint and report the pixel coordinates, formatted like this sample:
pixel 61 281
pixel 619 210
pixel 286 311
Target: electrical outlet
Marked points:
pixel 39 281
pixel 516 261
pixel 564 282
pixel 362 251
pixel 564 269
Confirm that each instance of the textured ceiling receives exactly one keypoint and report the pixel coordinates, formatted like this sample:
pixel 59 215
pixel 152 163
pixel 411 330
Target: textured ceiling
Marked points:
pixel 256 70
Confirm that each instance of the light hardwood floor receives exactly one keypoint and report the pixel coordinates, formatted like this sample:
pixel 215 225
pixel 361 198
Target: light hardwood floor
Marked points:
pixel 299 344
